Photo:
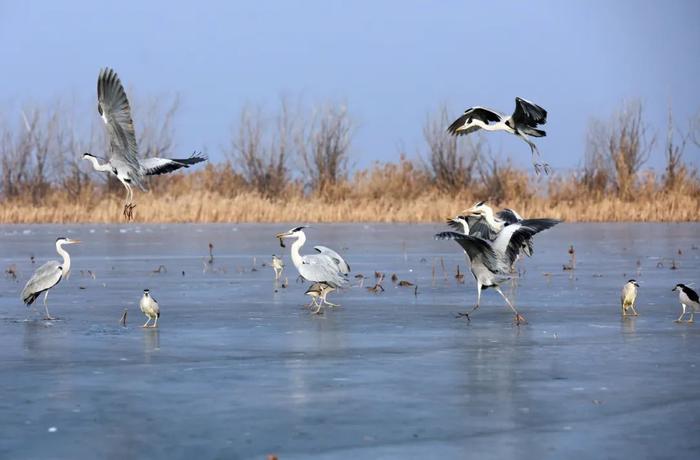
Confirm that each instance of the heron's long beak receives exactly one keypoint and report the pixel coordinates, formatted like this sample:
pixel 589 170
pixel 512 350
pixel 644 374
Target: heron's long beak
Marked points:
pixel 279 236
pixel 72 241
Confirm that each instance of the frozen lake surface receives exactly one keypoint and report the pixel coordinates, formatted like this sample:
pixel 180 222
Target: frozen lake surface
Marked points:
pixel 237 370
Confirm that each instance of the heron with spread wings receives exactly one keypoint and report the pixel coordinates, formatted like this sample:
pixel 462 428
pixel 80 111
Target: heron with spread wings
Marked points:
pixel 523 123
pixel 491 262
pixel 123 162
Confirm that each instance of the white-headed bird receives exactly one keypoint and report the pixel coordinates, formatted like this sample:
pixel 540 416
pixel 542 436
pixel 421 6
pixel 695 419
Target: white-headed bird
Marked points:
pixel 689 301
pixel 628 297
pixel 149 307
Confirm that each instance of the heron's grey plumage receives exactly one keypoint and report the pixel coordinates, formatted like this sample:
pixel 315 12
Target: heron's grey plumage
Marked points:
pixel 123 161
pixel 44 278
pixel 337 258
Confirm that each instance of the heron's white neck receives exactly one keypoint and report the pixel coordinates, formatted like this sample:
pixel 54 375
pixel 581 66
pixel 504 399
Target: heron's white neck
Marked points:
pixel 497 126
pixel 66 258
pixel 496 225
pixel 97 166
pixel 296 246
pixel 465 226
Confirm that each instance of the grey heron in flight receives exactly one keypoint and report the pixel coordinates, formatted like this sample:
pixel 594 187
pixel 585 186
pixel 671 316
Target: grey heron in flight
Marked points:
pixel 689 301
pixel 149 307
pixel 482 214
pixel 48 276
pixel 491 261
pixel 523 123
pixel 123 162
pixel 325 267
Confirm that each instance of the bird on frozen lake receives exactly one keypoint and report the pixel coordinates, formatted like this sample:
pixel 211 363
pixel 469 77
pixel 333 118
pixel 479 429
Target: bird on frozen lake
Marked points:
pixel 48 276
pixel 149 307
pixel 277 266
pixel 689 301
pixel 318 293
pixel 491 261
pixel 123 162
pixel 629 295
pixel 523 123
pixel 325 267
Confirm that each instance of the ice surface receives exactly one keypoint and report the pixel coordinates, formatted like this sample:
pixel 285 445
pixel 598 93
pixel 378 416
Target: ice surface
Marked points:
pixel 237 370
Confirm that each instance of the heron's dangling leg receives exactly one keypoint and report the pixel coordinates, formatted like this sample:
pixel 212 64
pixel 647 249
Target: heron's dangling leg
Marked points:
pixel 129 206
pixel 682 314
pixel 518 317
pixel 48 317
pixel 535 155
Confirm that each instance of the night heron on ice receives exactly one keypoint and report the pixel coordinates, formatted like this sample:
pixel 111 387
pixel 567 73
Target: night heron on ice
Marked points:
pixel 149 307
pixel 124 162
pixel 628 297
pixel 48 276
pixel 689 301
pixel 523 123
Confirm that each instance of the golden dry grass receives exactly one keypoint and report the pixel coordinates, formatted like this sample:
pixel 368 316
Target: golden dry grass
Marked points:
pixel 203 206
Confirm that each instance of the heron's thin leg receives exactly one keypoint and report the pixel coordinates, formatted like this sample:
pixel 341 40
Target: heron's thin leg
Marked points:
pixel 46 307
pixel 148 320
pixel 478 296
pixel 330 304
pixel 634 310
pixel 518 317
pixel 682 314
pixel 692 315
pixel 155 323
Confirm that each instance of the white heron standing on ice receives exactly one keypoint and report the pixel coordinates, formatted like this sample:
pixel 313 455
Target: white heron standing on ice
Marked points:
pixel 123 162
pixel 325 267
pixel 48 276
pixel 523 123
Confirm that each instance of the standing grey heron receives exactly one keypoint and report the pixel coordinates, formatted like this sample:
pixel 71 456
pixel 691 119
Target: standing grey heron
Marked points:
pixel 149 307
pixel 628 297
pixel 524 121
pixel 491 261
pixel 317 268
pixel 48 276
pixel 689 301
pixel 123 163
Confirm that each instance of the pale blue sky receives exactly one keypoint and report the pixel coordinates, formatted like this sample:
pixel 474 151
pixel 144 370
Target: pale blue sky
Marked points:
pixel 391 61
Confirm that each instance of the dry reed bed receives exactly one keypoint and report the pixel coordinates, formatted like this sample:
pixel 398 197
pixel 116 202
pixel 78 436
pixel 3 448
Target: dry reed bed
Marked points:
pixel 203 206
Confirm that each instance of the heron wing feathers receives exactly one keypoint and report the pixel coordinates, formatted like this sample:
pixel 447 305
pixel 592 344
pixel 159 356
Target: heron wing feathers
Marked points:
pixel 462 124
pixel 528 113
pixel 113 106
pixel 321 268
pixel 476 248
pixel 337 258
pixel 154 166
pixel 45 277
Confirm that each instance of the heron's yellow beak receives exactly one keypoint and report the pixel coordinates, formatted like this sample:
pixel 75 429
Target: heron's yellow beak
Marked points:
pixel 72 241
pixel 281 235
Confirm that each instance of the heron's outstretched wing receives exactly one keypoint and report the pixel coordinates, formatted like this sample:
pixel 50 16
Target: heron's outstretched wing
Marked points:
pixel 511 239
pixel 479 228
pixel 115 112
pixel 154 166
pixel 45 277
pixel 476 248
pixel 337 258
pixel 528 113
pixel 509 216
pixel 321 268
pixel 463 124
